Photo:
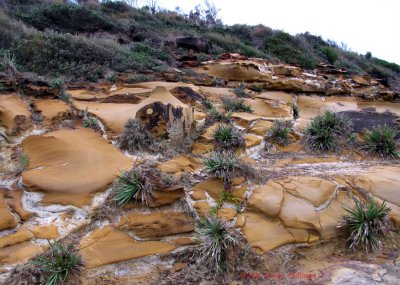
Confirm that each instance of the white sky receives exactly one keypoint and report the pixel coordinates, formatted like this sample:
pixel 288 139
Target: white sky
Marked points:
pixel 364 25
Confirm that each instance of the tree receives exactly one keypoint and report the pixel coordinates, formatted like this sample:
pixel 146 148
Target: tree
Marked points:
pixel 152 5
pixel 368 55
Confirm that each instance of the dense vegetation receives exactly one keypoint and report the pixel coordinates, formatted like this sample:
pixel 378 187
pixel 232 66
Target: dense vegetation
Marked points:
pixel 94 40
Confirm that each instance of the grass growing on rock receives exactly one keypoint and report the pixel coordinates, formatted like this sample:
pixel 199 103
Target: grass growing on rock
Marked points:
pixel 366 224
pixel 381 140
pixel 225 165
pixel 139 183
pixel 131 186
pixel 240 90
pixel 236 105
pixel 228 137
pixel 279 132
pixel 217 240
pixel 59 263
pixel 328 131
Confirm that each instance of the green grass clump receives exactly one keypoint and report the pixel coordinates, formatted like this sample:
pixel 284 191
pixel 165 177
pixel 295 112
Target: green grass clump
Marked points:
pixel 216 116
pixel 225 165
pixel 228 137
pixel 221 164
pixel 59 263
pixel 366 224
pixel 279 132
pixel 328 131
pixel 90 122
pixel 216 242
pixel 131 186
pixel 236 105
pixel 381 140
pixel 240 90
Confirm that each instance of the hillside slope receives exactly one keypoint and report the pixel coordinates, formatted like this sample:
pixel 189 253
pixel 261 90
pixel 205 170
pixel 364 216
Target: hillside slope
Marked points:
pixel 94 41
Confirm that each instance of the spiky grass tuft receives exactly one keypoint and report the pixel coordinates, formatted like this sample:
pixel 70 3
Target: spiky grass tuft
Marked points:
pixel 236 105
pixel 221 164
pixel 328 131
pixel 216 242
pixel 279 132
pixel 59 263
pixel 366 224
pixel 228 137
pixel 381 140
pixel 131 186
pixel 240 90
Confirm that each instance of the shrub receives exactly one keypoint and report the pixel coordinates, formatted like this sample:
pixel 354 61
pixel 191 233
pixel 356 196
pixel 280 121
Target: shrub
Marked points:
pixel 216 116
pixel 68 18
pixel 78 56
pixel 135 137
pixel 131 185
pixel 217 240
pixel 240 90
pixel 287 48
pixel 207 104
pixel 61 261
pixel 365 224
pixel 228 137
pixel 8 62
pixel 236 105
pixel 23 161
pixel 90 122
pixel 279 132
pixel 331 54
pixel 328 131
pixel 381 140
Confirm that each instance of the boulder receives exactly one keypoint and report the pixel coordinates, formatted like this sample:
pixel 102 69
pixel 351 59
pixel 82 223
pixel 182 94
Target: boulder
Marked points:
pixel 194 43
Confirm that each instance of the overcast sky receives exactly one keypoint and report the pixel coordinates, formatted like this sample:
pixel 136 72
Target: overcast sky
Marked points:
pixel 364 25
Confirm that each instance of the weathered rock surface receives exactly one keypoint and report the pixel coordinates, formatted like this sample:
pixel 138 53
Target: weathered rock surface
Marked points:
pixel 157 224
pixel 7 219
pixel 237 71
pixel 71 165
pixel 52 109
pixel 161 112
pixel 180 165
pixel 14 114
pixel 107 245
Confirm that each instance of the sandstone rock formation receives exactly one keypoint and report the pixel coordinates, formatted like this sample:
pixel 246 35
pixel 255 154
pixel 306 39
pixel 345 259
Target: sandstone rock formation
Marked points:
pixel 71 165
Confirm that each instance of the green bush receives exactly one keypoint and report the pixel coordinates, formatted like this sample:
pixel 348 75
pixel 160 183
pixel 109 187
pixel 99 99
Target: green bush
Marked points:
pixel 235 105
pixel 279 132
pixel 78 56
pixel 228 137
pixel 331 54
pixel 366 224
pixel 67 18
pixel 240 90
pixel 284 47
pixel 216 241
pixel 328 131
pixel 59 263
pixel 381 140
